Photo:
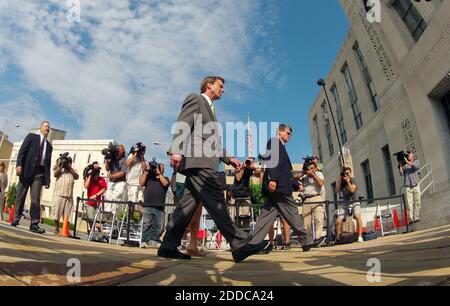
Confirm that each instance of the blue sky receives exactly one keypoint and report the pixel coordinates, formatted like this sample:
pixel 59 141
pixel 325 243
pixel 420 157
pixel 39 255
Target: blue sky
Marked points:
pixel 124 71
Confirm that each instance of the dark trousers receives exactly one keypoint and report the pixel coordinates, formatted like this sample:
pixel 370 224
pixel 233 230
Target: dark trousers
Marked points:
pixel 35 182
pixel 153 221
pixel 277 203
pixel 203 186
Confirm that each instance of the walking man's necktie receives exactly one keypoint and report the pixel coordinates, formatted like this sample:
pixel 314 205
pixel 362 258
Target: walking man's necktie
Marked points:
pixel 213 110
pixel 41 151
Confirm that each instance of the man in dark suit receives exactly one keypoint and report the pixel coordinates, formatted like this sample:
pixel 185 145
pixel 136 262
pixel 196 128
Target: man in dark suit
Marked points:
pixel 33 169
pixel 195 153
pixel 278 186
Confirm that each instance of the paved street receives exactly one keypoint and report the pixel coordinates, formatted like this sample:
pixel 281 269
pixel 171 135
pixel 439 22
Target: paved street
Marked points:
pixel 419 258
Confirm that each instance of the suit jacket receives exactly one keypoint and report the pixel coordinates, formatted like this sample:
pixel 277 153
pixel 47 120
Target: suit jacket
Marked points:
pixel 29 154
pixel 197 137
pixel 281 172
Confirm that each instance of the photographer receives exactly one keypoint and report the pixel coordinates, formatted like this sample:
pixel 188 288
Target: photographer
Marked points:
pixel 63 194
pixel 347 186
pixel 136 165
pixel 156 185
pixel 409 169
pixel 241 188
pixel 313 183
pixel 117 171
pixel 96 187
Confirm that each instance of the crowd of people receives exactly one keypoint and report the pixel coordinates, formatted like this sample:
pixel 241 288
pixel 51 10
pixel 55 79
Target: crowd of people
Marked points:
pixel 196 185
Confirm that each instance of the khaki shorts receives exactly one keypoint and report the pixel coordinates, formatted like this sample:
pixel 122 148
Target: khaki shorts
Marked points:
pixel 62 206
pixel 90 212
pixel 347 209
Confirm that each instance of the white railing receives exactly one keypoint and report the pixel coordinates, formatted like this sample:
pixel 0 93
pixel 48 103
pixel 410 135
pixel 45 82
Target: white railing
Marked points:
pixel 428 175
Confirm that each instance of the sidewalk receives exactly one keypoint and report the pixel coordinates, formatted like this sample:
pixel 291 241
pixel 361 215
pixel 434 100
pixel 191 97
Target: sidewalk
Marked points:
pixel 419 258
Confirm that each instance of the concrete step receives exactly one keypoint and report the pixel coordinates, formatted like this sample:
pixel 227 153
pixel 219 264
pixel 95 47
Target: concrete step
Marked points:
pixel 435 210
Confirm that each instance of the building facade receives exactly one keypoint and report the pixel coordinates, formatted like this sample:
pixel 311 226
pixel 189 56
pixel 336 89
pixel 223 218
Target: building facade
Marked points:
pixel 389 91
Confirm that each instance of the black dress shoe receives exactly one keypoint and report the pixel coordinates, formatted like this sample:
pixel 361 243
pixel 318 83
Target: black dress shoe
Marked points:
pixel 175 254
pixel 248 250
pixel 267 250
pixel 315 243
pixel 14 223
pixel 36 229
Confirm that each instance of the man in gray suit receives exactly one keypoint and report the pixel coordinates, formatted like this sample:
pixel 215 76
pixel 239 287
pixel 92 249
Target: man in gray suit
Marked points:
pixel 195 152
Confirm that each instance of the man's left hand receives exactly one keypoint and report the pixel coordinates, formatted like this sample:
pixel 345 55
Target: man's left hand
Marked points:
pixel 236 164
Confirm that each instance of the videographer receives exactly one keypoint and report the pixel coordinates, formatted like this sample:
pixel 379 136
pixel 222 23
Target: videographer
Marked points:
pixel 96 186
pixel 136 165
pixel 348 187
pixel 117 171
pixel 63 194
pixel 409 169
pixel 156 185
pixel 241 188
pixel 313 183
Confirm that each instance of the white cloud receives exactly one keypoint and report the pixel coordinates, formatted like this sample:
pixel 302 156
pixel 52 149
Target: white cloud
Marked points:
pixel 123 72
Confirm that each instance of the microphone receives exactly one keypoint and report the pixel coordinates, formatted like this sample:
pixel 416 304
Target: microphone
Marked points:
pixel 321 82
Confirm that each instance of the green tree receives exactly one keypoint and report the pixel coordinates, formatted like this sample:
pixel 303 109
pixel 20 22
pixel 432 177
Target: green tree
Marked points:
pixel 11 194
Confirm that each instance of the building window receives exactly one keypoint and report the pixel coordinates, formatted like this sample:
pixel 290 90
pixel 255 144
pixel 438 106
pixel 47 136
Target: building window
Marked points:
pixel 326 121
pixel 411 17
pixel 446 105
pixel 319 144
pixel 390 180
pixel 367 77
pixel 340 117
pixel 352 96
pixel 89 158
pixel 368 179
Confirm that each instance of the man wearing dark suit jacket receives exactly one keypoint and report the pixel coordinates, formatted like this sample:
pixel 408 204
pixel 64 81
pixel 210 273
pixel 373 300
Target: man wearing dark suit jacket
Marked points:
pixel 33 169
pixel 278 186
pixel 195 152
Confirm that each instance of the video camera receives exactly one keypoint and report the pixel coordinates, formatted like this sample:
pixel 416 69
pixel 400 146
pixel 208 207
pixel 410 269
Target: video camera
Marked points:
pixel 308 161
pixel 401 156
pixel 139 148
pixel 90 170
pixel 153 165
pixel 64 160
pixel 110 151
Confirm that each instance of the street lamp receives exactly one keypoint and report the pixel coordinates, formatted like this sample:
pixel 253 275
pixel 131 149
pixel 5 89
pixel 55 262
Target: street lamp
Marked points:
pixel 321 82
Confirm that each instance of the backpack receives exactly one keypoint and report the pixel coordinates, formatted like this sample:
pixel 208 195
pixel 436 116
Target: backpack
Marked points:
pixel 347 238
pixel 369 236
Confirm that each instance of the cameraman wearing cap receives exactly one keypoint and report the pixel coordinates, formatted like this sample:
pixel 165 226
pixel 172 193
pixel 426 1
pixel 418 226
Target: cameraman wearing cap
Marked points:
pixel 313 185
pixel 63 194
pixel 156 186
pixel 409 169
pixel 347 186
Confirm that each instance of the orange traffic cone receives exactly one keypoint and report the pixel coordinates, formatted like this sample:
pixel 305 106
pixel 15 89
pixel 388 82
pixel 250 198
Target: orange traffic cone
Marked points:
pixel 11 214
pixel 396 221
pixel 377 224
pixel 405 219
pixel 65 228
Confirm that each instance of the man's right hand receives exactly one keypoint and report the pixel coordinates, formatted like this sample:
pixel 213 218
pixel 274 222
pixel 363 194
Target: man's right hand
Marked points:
pixel 175 161
pixel 18 170
pixel 272 186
